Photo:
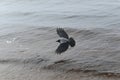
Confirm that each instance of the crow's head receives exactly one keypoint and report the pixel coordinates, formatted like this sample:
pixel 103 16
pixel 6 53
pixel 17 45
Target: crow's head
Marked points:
pixel 58 40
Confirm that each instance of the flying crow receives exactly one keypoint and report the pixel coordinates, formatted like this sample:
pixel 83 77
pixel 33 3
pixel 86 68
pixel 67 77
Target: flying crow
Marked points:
pixel 64 41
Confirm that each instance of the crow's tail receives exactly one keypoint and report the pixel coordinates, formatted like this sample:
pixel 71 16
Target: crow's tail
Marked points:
pixel 72 42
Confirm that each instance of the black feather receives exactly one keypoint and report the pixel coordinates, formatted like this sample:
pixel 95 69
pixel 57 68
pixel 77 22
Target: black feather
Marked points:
pixel 61 32
pixel 72 42
pixel 62 48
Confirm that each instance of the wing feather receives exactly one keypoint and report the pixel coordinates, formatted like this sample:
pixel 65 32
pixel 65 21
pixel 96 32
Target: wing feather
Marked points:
pixel 61 32
pixel 62 48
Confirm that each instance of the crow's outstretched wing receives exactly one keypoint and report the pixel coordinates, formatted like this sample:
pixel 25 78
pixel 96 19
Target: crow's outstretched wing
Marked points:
pixel 62 48
pixel 61 32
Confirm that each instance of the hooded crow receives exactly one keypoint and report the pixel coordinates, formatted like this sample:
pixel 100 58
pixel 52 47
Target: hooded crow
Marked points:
pixel 64 41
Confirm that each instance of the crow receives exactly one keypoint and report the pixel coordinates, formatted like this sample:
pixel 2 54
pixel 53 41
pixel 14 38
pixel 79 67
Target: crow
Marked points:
pixel 64 41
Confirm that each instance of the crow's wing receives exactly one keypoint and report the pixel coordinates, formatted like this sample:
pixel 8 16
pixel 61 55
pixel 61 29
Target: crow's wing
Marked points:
pixel 62 48
pixel 72 42
pixel 61 32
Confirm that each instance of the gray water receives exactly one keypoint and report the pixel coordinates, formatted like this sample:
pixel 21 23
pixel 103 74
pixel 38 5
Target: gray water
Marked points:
pixel 97 38
pixel 65 13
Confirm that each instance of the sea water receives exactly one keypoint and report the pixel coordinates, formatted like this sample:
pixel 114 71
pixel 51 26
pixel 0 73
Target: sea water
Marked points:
pixel 60 13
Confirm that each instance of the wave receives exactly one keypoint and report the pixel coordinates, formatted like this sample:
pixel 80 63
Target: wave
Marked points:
pixel 96 50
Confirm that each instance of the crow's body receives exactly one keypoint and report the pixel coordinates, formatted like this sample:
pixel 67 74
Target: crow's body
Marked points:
pixel 64 41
